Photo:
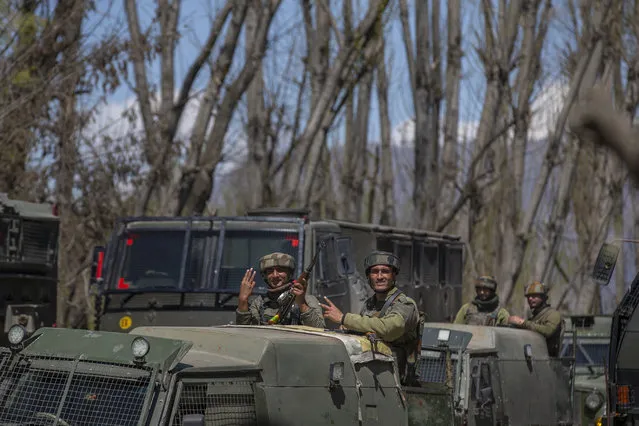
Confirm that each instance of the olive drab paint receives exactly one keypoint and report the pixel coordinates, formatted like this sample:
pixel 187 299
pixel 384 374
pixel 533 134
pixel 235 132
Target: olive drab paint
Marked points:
pixel 268 374
pixel 202 287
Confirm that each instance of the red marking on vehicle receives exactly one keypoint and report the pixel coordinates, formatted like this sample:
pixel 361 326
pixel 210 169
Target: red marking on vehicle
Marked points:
pixel 122 285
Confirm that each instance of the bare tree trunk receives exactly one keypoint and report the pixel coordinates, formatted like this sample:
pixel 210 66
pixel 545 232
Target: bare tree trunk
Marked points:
pixel 497 57
pixel 323 112
pixel 363 163
pixel 257 127
pixel 524 233
pixel 450 155
pixel 197 181
pixel 387 215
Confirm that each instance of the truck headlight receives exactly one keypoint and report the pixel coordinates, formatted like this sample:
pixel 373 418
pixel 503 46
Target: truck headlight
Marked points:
pixel 140 347
pixel 17 333
pixel 594 401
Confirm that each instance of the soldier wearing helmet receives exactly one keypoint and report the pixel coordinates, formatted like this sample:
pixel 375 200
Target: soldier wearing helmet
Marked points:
pixel 389 313
pixel 544 320
pixel 484 309
pixel 277 271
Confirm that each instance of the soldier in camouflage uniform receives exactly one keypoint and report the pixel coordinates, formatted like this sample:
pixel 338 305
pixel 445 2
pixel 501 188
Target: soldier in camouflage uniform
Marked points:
pixel 544 319
pixel 389 313
pixel 484 309
pixel 277 271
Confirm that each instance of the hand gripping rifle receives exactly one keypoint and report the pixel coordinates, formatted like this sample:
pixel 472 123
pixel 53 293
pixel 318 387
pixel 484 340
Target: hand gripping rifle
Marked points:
pixel 286 299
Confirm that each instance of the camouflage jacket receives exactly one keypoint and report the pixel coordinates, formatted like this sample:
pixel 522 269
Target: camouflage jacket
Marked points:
pixel 471 314
pixel 399 324
pixel 263 309
pixel 547 322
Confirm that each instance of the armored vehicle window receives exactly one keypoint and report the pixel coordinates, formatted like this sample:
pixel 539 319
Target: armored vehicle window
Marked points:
pixel 328 260
pixel 243 249
pixel 152 259
pixel 587 353
pixel 344 251
pixel 426 263
pixel 453 265
pixel 405 252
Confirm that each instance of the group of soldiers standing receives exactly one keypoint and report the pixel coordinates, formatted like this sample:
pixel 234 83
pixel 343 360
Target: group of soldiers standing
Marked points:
pixel 389 314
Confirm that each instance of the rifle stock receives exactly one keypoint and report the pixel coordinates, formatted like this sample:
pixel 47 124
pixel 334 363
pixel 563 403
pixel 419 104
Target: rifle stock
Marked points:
pixel 287 299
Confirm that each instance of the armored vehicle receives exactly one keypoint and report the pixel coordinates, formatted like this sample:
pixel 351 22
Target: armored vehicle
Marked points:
pixel 622 407
pixel 187 271
pixel 28 264
pixel 277 375
pixel 587 338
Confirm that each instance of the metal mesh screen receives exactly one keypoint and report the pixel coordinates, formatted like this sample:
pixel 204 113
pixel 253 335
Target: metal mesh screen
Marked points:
pixel 433 368
pixel 223 401
pixel 79 393
pixel 39 241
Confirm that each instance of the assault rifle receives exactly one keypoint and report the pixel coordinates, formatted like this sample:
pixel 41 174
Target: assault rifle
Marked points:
pixel 286 299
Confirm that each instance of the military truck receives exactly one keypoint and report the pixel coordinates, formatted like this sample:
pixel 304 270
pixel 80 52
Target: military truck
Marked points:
pixel 28 264
pixel 187 271
pixel 277 375
pixel 622 371
pixel 587 338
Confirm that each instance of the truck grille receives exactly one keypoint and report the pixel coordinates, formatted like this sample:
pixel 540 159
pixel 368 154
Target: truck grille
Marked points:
pixel 79 392
pixel 222 401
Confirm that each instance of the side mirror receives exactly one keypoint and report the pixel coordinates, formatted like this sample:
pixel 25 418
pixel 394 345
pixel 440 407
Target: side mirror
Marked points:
pixel 193 420
pixel 97 265
pixel 605 264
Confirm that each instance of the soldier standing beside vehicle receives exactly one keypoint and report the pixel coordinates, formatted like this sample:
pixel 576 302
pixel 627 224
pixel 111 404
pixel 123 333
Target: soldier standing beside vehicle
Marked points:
pixel 389 313
pixel 277 272
pixel 484 309
pixel 544 320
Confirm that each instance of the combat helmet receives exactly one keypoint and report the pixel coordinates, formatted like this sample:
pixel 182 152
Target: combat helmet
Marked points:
pixel 276 259
pixel 377 257
pixel 536 288
pixel 486 281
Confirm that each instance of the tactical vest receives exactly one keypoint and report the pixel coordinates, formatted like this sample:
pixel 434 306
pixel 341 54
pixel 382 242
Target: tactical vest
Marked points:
pixel 476 317
pixel 406 349
pixel 268 308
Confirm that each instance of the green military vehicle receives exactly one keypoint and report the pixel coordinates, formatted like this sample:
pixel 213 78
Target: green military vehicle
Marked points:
pixel 622 369
pixel 278 375
pixel 587 338
pixel 28 264
pixel 187 271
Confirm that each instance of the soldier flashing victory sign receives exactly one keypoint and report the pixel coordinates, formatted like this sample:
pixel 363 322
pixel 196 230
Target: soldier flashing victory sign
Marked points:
pixel 277 271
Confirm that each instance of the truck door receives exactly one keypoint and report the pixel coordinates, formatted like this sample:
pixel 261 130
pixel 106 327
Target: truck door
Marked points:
pixel 481 407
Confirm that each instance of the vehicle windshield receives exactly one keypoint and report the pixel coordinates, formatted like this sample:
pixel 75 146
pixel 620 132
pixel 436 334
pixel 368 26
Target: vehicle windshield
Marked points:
pixel 153 259
pixel 35 397
pixel 587 354
pixel 243 249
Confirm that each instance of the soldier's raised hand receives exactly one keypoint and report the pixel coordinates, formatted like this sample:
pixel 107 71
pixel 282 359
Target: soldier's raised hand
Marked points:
pixel 247 284
pixel 332 312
